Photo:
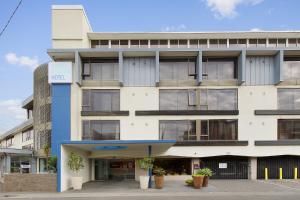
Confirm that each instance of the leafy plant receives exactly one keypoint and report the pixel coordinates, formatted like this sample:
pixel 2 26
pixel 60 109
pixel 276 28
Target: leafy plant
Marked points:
pixel 189 182
pixel 75 162
pixel 46 150
pixel 52 163
pixel 205 172
pixel 146 163
pixel 159 171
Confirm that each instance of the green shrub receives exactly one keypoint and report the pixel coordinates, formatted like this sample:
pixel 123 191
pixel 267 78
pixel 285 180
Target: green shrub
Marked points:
pixel 75 162
pixel 189 182
pixel 204 172
pixel 159 171
pixel 52 163
pixel 146 163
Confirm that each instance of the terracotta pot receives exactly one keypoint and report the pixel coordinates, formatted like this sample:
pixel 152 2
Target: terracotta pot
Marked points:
pixel 159 182
pixel 205 181
pixel 198 181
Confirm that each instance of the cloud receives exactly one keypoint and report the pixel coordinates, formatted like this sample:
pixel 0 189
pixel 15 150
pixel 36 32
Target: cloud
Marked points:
pixel 11 114
pixel 256 29
pixel 26 61
pixel 227 8
pixel 180 27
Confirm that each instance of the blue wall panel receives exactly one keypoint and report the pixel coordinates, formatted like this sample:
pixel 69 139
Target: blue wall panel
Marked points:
pixel 61 122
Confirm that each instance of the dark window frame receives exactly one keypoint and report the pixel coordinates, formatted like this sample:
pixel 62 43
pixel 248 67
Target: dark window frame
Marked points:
pixel 90 99
pixel 90 136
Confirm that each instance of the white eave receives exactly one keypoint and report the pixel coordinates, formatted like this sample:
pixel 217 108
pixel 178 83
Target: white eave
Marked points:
pixel 28 102
pixel 193 35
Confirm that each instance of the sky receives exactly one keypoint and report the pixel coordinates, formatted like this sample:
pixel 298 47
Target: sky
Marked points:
pixel 24 43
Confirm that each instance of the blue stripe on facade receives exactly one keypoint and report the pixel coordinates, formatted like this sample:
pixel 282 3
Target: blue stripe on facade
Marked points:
pixel 61 122
pixel 118 142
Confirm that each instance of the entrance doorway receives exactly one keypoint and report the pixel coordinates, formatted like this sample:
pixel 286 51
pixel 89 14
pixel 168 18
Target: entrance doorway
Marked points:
pixel 114 169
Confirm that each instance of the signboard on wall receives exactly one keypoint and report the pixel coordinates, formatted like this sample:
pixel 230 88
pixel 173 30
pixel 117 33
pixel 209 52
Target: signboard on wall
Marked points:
pixel 60 72
pixel 222 165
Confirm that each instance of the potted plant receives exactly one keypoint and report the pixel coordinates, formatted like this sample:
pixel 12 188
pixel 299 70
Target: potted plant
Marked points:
pixel 198 179
pixel 159 173
pixel 52 161
pixel 75 163
pixel 207 173
pixel 147 165
pixel 46 149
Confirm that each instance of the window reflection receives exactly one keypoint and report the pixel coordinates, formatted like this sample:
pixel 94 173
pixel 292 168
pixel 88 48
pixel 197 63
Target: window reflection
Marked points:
pixel 288 99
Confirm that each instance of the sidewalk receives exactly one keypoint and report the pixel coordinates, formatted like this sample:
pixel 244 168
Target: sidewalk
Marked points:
pixel 176 189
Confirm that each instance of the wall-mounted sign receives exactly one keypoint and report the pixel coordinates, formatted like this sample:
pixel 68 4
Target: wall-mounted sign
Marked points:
pixel 25 166
pixel 60 72
pixel 222 165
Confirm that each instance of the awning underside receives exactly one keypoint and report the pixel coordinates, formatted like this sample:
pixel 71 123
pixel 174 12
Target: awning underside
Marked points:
pixel 122 148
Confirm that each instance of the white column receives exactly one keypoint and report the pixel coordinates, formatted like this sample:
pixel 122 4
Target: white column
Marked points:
pixel 253 168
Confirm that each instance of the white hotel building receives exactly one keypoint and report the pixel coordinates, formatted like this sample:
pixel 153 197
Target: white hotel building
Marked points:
pixel 225 100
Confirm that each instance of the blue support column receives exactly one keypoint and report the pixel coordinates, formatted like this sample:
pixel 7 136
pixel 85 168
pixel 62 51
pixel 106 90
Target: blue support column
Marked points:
pixel 61 122
pixel 150 170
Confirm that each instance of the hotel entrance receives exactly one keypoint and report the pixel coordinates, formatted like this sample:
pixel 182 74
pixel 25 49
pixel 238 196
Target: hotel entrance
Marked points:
pixel 114 169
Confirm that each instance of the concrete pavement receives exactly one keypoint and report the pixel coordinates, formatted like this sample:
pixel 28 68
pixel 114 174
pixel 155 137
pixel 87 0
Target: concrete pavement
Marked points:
pixel 218 189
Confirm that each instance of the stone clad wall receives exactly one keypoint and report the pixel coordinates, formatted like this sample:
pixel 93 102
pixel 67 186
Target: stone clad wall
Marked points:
pixel 29 183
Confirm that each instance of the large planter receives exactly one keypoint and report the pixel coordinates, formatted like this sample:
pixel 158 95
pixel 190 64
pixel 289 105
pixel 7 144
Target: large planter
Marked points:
pixel 144 182
pixel 198 181
pixel 205 181
pixel 76 183
pixel 159 182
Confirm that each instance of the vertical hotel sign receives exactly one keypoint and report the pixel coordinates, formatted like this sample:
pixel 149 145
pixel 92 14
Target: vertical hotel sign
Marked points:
pixel 60 72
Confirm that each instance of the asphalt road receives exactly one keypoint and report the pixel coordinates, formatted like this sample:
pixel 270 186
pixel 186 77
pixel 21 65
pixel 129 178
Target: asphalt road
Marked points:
pixel 206 197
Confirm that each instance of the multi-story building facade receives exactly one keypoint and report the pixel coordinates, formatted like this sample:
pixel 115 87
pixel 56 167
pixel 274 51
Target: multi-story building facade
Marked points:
pixel 16 145
pixel 225 100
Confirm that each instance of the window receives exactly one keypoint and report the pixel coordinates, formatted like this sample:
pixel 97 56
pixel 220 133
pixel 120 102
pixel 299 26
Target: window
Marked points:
pixel 222 129
pixel 210 99
pixel 174 43
pixel 94 43
pixel 292 42
pixel 194 43
pixel 100 130
pixel 219 70
pixel 134 43
pixel 184 69
pixel 218 99
pixel 288 129
pixel 180 130
pixel 104 43
pixel 291 70
pixel 104 70
pixel 163 43
pixel 272 42
pixel 203 43
pixel 28 135
pixel 9 142
pixel 185 130
pixel 114 44
pixel 143 43
pixel 177 99
pixel 101 100
pixel 213 43
pixel 154 43
pixel 124 43
pixel 288 99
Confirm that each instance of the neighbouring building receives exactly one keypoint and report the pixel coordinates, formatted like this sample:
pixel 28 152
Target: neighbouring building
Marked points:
pixel 225 100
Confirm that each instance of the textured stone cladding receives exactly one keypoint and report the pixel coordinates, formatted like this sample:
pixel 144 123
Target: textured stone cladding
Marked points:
pixel 29 183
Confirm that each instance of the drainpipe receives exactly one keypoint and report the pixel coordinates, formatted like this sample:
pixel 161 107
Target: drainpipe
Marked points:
pixel 150 170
